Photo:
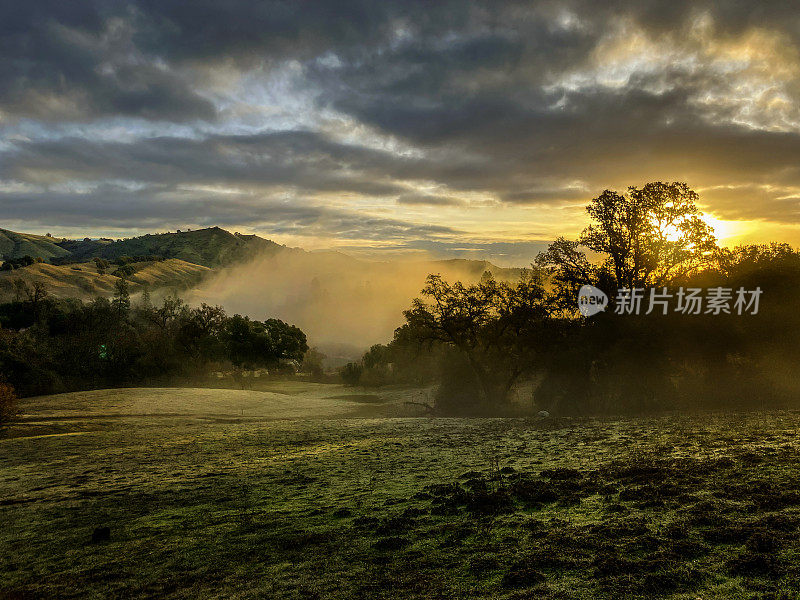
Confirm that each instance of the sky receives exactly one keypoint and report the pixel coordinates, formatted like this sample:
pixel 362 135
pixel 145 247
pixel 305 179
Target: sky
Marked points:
pixel 384 128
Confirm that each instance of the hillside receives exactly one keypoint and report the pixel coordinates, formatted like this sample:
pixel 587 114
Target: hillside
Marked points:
pixel 332 296
pixel 16 245
pixel 81 280
pixel 210 247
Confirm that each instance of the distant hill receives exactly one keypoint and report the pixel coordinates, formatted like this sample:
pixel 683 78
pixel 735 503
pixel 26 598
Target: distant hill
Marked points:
pixel 331 295
pixel 81 280
pixel 16 245
pixel 212 247
pixel 476 268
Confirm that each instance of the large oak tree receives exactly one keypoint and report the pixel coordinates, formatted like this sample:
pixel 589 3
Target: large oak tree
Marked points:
pixel 647 237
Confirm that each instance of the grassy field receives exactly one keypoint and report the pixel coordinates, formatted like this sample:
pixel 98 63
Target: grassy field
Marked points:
pixel 208 494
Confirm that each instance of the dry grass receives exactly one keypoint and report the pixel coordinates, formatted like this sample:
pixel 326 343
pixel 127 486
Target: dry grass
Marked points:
pixel 82 280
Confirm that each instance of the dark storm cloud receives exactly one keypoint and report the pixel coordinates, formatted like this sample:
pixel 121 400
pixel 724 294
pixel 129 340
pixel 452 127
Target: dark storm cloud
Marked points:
pixel 119 207
pixel 94 58
pixel 522 102
pixel 81 59
pixel 114 57
pixel 537 167
pixel 302 160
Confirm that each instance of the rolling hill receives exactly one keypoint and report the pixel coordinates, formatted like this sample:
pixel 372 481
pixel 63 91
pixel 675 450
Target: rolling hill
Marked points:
pixel 16 245
pixel 68 269
pixel 211 247
pixel 335 297
pixel 81 280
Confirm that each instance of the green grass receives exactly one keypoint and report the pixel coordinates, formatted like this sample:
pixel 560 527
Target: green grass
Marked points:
pixel 365 398
pixel 16 245
pixel 210 247
pixel 201 506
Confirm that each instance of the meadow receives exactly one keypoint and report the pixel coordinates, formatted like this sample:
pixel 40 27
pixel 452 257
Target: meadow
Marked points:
pixel 217 494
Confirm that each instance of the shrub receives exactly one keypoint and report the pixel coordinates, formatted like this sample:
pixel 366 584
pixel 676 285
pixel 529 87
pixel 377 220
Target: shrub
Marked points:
pixel 102 265
pixel 351 373
pixel 124 271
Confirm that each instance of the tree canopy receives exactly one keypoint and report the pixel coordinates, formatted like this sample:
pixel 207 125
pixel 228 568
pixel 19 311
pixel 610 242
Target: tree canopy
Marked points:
pixel 647 237
pixel 494 326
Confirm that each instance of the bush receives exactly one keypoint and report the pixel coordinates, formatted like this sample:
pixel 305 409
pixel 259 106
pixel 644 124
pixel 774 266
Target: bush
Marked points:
pixel 8 403
pixel 376 376
pixel 351 373
pixel 17 263
pixel 102 265
pixel 124 271
pixel 66 345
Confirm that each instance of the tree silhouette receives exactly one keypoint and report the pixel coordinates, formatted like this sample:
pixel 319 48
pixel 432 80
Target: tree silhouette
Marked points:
pixel 649 236
pixel 495 326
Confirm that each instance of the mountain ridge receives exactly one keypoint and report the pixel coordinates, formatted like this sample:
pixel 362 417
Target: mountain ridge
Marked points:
pixel 209 247
pixel 84 281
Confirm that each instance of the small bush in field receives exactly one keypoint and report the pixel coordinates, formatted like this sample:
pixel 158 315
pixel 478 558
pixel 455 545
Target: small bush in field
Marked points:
pixel 8 403
pixel 351 373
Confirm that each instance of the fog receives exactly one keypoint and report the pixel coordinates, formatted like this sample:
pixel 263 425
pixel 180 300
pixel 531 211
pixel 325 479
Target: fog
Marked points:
pixel 334 298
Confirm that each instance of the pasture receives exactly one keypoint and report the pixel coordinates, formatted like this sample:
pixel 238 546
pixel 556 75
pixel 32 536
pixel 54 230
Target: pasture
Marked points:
pixel 311 491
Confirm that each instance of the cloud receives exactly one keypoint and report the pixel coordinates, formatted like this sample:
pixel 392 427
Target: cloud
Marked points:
pixel 429 200
pixel 119 207
pixel 84 61
pixel 299 159
pixel 339 119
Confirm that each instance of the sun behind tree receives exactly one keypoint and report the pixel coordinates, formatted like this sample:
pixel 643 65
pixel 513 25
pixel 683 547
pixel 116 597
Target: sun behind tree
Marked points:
pixel 647 237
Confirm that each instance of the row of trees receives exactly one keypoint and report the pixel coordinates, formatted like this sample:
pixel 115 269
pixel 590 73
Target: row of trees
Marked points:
pixel 18 263
pixel 481 342
pixel 50 345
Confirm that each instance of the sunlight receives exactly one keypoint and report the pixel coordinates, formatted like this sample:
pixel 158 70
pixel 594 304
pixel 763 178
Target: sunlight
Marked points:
pixel 725 230
pixel 672 233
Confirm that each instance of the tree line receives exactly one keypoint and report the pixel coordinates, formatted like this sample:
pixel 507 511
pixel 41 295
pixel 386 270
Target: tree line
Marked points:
pixel 493 346
pixel 50 345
